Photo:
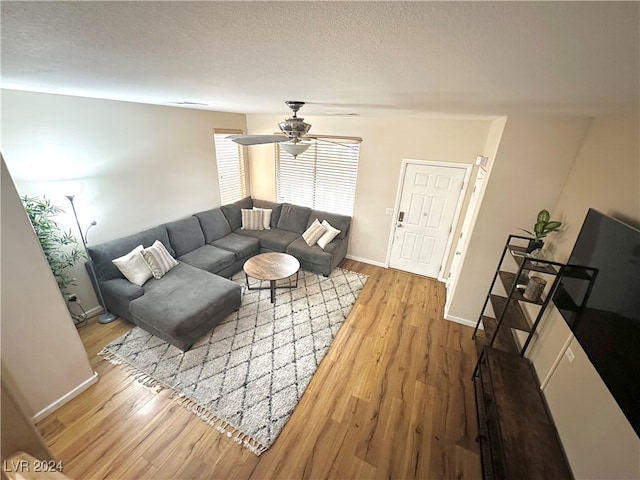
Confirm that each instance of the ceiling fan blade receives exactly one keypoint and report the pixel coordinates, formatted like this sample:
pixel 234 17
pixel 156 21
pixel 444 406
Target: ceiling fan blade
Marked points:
pixel 257 139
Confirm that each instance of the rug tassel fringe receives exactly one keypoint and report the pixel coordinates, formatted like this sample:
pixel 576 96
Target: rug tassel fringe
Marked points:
pixel 140 377
pixel 222 427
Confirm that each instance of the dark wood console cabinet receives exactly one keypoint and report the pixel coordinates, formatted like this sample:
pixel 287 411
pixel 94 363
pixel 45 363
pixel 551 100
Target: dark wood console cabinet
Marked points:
pixel 518 439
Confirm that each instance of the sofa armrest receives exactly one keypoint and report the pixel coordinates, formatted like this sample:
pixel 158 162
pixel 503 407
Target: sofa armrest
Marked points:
pixel 118 293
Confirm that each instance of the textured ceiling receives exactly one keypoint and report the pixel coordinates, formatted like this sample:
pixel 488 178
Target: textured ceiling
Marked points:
pixel 478 58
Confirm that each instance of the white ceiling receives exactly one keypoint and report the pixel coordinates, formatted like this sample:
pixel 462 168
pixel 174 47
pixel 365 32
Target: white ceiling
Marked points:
pixel 370 58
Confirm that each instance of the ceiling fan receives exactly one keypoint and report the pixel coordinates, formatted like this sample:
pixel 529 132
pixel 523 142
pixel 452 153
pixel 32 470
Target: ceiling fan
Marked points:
pixel 294 129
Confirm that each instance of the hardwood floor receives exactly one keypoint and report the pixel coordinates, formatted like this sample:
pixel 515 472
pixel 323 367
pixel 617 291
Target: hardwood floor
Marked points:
pixel 393 398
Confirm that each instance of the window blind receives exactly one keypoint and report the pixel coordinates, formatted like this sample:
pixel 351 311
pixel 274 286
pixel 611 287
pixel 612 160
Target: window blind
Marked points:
pixel 231 168
pixel 323 177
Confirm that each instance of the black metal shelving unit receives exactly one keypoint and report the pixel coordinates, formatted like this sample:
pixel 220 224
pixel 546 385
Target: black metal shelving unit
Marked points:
pixel 508 310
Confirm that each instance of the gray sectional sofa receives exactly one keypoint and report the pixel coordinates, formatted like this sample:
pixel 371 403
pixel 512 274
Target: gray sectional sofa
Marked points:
pixel 193 297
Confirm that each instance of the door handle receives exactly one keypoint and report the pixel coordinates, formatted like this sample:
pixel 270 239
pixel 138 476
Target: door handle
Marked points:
pixel 400 216
pixel 399 225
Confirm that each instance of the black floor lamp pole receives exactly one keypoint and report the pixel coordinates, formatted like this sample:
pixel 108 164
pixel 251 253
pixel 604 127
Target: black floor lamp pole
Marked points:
pixel 107 316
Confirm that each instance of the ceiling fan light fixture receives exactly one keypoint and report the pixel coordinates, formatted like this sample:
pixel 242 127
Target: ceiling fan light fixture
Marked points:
pixel 294 127
pixel 295 149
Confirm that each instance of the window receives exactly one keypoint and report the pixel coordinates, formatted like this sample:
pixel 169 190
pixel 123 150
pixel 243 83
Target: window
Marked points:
pixel 323 177
pixel 231 167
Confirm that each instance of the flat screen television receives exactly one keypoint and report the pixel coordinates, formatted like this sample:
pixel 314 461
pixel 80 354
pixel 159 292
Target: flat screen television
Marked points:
pixel 601 305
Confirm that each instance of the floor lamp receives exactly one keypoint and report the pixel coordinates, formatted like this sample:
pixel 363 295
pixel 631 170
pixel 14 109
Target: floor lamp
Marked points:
pixel 107 316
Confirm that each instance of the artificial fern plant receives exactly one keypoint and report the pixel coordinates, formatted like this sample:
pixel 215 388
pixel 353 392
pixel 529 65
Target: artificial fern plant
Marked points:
pixel 60 247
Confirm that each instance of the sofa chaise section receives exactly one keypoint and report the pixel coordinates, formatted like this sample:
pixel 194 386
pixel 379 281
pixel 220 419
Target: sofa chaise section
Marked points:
pixel 185 304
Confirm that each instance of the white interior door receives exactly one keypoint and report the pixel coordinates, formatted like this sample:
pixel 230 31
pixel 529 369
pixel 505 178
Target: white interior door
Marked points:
pixel 428 202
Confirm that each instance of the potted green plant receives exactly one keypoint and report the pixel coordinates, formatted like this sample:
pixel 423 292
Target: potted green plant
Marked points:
pixel 543 227
pixel 60 247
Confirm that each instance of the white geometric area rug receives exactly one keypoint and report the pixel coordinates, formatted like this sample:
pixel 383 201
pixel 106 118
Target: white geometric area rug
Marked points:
pixel 246 377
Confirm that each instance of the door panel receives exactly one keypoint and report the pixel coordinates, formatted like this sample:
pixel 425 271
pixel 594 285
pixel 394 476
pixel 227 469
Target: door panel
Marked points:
pixel 428 202
pixel 436 212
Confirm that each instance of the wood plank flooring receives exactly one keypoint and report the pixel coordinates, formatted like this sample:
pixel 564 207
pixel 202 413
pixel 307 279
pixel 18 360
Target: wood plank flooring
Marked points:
pixel 392 399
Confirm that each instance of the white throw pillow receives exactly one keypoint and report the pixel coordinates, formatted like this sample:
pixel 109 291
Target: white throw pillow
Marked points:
pixel 266 217
pixel 133 266
pixel 313 233
pixel 159 260
pixel 329 235
pixel 252 219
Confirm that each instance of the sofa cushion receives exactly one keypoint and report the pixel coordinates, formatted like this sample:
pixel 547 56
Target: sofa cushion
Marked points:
pixel 251 233
pixel 241 246
pixel 103 253
pixel 341 222
pixel 214 224
pixel 233 212
pixel 303 252
pixel 277 240
pixel 275 208
pixel 294 218
pixel 185 235
pixel 209 258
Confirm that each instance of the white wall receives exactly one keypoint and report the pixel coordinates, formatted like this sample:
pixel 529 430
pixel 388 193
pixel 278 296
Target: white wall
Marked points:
pixel 386 141
pixel 528 173
pixel 133 166
pixel 599 441
pixel 42 355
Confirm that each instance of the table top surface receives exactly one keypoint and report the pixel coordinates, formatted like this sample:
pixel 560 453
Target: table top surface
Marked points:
pixel 271 266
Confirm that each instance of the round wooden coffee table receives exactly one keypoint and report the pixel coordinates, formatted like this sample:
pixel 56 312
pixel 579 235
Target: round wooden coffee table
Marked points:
pixel 272 266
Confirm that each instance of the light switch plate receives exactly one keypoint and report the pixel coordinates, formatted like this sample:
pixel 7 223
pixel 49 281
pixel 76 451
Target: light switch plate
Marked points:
pixel 570 355
pixel 389 211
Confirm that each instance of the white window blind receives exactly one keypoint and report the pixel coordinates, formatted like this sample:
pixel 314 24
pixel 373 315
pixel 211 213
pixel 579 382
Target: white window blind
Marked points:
pixel 231 168
pixel 323 177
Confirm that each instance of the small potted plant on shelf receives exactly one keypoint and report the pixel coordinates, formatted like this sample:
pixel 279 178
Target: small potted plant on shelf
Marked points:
pixel 543 227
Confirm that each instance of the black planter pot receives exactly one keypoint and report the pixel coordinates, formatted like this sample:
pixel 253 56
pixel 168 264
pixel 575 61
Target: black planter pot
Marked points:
pixel 534 245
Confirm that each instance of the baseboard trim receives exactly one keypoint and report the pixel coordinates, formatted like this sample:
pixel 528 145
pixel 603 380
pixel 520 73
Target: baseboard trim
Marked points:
pixel 94 311
pixel 367 261
pixel 463 321
pixel 65 398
